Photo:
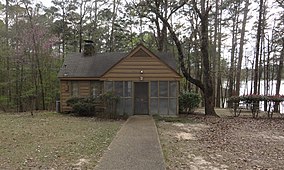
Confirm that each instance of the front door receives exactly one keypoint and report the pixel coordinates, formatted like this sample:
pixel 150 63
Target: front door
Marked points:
pixel 141 99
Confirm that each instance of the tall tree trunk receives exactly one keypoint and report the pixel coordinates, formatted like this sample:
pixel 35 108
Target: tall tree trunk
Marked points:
pixel 241 50
pixel 209 99
pixel 233 53
pixel 279 75
pixel 36 54
pixel 114 13
pixel 9 99
pixel 21 109
pixel 81 27
pixel 63 32
pixel 256 67
pixel 219 79
pixel 215 56
pixel 83 11
pixel 95 21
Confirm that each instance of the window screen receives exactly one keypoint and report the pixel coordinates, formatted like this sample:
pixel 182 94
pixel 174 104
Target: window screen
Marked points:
pixel 154 106
pixel 108 86
pixel 154 89
pixel 163 89
pixel 173 89
pixel 163 106
pixel 118 88
pixel 172 106
pixel 127 88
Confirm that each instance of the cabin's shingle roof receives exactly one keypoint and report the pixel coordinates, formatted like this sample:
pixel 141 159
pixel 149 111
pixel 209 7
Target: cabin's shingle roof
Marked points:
pixel 79 66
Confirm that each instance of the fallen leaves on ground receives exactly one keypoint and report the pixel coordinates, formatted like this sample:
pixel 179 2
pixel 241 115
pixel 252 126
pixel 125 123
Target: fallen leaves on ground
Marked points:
pixel 223 143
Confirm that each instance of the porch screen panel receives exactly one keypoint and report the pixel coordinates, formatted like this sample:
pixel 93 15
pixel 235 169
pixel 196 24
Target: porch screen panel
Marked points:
pixel 108 86
pixel 163 89
pixel 127 97
pixel 96 88
pixel 118 88
pixel 154 105
pixel 118 91
pixel 120 107
pixel 154 97
pixel 128 106
pixel 127 89
pixel 163 106
pixel 173 106
pixel 173 88
pixel 163 97
pixel 122 89
pixel 154 88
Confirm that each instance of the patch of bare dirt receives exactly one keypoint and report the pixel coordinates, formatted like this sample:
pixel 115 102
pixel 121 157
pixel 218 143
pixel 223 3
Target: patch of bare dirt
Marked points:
pixel 223 143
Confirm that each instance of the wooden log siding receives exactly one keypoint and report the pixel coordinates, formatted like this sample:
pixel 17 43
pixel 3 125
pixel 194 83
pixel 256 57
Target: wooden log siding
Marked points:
pixel 84 88
pixel 65 94
pixel 130 67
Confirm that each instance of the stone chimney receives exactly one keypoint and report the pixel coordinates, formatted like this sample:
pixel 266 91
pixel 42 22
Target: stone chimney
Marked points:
pixel 89 48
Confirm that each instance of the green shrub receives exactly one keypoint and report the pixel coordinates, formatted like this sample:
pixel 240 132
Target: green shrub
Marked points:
pixel 189 101
pixel 82 106
pixel 73 100
pixel 104 106
pixel 84 109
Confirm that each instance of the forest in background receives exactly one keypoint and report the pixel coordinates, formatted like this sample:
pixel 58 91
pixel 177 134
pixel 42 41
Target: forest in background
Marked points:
pixel 215 42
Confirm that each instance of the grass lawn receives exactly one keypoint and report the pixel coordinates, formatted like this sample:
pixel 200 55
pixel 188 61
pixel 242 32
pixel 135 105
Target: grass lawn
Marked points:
pixel 53 141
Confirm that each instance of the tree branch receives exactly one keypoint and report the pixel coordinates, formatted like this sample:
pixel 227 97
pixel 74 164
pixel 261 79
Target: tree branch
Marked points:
pixel 181 57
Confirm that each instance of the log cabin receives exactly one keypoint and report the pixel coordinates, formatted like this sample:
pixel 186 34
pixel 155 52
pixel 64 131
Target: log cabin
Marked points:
pixel 146 82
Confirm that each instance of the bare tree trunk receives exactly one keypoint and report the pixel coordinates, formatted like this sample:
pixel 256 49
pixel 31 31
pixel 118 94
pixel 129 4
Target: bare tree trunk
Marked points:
pixel 63 32
pixel 219 79
pixel 279 76
pixel 83 11
pixel 81 27
pixel 241 51
pixel 215 56
pixel 256 68
pixel 36 54
pixel 95 21
pixel 233 53
pixel 114 13
pixel 8 57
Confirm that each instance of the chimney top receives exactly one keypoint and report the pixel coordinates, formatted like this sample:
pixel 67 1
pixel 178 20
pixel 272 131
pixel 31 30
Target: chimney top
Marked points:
pixel 89 48
pixel 89 41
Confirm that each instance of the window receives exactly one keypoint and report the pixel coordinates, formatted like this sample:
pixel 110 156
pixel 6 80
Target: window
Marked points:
pixel 75 89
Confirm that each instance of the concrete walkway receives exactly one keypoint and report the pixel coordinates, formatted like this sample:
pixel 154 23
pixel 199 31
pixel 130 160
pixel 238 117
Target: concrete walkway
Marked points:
pixel 136 146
